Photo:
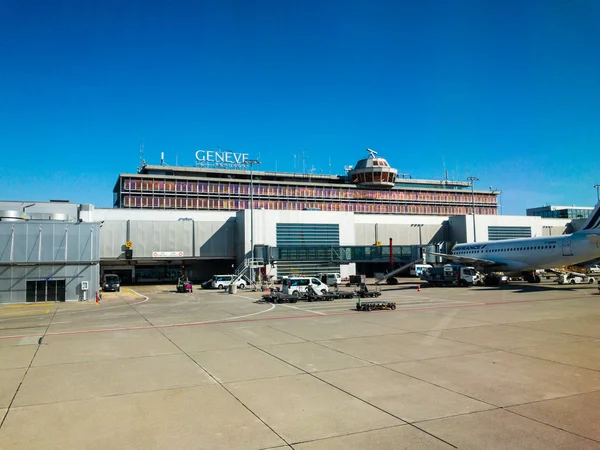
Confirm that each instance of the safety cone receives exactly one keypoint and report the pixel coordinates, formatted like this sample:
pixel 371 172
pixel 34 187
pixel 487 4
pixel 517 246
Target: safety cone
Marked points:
pixel 418 288
pixel 97 299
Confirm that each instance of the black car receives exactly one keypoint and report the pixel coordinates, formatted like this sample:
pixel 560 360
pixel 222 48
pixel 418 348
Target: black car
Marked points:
pixel 206 284
pixel 111 282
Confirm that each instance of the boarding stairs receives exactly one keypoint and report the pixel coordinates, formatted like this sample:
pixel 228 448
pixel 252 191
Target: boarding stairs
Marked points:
pixel 243 271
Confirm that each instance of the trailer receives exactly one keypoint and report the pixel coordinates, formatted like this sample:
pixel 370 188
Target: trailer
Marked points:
pixel 313 296
pixel 370 306
pixel 364 292
pixel 279 297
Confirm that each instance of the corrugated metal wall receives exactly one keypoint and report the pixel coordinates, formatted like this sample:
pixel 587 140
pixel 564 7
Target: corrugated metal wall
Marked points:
pixel 47 252
pixel 209 240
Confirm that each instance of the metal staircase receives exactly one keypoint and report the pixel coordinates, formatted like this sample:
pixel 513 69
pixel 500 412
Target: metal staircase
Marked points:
pixel 244 269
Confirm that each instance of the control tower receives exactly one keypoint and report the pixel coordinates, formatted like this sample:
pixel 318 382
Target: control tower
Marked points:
pixel 373 172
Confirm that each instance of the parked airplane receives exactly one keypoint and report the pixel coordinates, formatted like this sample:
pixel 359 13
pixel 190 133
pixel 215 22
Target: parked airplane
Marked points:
pixel 522 257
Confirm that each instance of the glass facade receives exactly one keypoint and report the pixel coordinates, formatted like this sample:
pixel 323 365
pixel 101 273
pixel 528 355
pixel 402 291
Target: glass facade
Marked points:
pixel 566 213
pixel 172 192
pixel 311 240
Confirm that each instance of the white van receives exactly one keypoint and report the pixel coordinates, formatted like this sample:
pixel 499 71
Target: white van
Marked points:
pixel 330 279
pixel 417 269
pixel 222 281
pixel 297 286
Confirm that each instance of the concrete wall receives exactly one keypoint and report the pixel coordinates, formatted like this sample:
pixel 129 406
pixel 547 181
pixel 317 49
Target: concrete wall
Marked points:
pixel 461 227
pixel 200 234
pixel 402 229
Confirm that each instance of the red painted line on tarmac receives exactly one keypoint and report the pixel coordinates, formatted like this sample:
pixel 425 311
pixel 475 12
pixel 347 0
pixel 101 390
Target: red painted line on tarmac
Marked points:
pixel 265 319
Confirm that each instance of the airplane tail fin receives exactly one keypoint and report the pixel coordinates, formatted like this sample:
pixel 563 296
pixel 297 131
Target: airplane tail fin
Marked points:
pixel 593 222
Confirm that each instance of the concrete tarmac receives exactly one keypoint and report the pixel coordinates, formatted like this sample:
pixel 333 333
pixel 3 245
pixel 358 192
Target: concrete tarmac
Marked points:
pixel 511 367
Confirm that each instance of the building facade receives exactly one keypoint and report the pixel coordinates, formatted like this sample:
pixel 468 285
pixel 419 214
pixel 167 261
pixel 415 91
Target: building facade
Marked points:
pixel 372 187
pixel 561 212
pixel 51 259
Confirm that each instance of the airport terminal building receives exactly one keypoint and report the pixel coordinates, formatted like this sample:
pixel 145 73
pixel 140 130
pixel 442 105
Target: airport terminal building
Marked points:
pixel 218 218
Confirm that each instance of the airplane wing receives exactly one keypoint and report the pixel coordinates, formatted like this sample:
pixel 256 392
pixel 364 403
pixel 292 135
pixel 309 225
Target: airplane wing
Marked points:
pixel 474 261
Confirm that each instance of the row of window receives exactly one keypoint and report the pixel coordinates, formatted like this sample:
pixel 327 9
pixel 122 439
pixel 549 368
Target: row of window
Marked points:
pixel 374 177
pixel 234 188
pixel 511 249
pixel 236 205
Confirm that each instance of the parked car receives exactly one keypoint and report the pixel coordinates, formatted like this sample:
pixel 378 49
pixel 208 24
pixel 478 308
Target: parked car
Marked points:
pixel 206 284
pixel 298 286
pixel 330 279
pixel 222 281
pixel 593 269
pixel 111 282
pixel 572 278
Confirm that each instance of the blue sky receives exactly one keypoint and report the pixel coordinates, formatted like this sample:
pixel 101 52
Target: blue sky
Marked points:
pixel 505 90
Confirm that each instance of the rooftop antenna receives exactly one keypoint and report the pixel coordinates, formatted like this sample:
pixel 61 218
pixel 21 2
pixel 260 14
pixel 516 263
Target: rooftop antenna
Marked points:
pixel 372 152
pixel 142 162
pixel 294 162
pixel 177 159
pixel 303 161
pixel 330 165
pixel 445 170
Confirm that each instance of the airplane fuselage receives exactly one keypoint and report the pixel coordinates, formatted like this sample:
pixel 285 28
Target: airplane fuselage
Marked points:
pixel 533 253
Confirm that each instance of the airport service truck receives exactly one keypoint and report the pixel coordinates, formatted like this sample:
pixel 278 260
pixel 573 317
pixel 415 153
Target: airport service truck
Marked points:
pixel 451 275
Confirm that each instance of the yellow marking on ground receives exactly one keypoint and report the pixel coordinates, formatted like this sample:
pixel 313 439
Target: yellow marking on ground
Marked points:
pixel 26 305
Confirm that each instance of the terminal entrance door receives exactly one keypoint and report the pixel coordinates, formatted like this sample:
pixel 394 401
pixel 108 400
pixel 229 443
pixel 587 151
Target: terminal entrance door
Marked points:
pixel 46 291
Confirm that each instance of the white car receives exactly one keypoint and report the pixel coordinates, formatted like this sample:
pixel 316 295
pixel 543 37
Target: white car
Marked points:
pixel 298 286
pixel 593 269
pixel 222 281
pixel 570 278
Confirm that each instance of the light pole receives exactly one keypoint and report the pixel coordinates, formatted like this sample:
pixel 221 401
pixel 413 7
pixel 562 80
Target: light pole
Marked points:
pixel 472 180
pixel 420 225
pixel 251 163
pixel 597 186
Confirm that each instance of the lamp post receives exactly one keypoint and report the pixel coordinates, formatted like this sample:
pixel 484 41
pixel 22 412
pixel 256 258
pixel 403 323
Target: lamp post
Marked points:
pixel 251 163
pixel 597 186
pixel 420 226
pixel 472 180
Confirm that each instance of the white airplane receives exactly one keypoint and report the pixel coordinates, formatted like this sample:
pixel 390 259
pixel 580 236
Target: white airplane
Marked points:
pixel 522 257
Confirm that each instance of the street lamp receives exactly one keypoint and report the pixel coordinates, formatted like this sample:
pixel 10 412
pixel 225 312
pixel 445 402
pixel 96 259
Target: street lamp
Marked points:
pixel 251 163
pixel 420 226
pixel 472 180
pixel 597 186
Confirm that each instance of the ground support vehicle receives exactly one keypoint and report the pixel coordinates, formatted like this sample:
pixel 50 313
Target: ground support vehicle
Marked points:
pixel 354 280
pixel 451 275
pixel 364 292
pixel 370 306
pixel 575 278
pixel 184 286
pixel 279 297
pixel 343 294
pixel 313 296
